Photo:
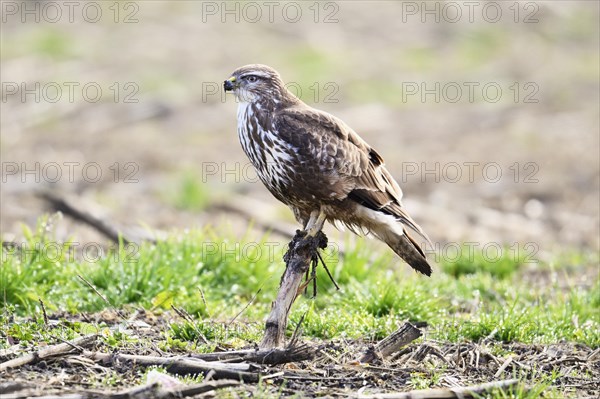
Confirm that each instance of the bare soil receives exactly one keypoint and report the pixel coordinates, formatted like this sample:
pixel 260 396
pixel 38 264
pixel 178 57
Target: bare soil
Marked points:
pixel 334 372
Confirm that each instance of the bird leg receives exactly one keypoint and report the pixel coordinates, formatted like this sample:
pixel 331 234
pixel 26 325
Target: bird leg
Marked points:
pixel 315 223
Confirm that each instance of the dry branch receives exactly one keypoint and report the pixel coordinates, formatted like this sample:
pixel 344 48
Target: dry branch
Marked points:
pixel 144 391
pixel 301 252
pixel 392 343
pixel 503 367
pixel 12 386
pixel 105 228
pixel 471 392
pixel 149 391
pixel 182 365
pixel 54 350
pixel 197 389
pixel 265 356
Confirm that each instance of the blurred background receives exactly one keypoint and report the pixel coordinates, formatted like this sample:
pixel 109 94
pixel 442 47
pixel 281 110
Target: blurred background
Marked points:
pixel 487 113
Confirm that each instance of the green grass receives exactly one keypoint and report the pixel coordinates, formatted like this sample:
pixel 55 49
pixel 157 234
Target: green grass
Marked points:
pixel 213 276
pixel 468 299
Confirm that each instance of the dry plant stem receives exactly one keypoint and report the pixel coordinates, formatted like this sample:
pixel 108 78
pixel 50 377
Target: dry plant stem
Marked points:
pixel 102 226
pixel 337 287
pixel 12 386
pixel 153 391
pixel 301 252
pixel 471 392
pixel 54 350
pixel 392 343
pixel 245 307
pixel 267 356
pixel 197 389
pixel 182 365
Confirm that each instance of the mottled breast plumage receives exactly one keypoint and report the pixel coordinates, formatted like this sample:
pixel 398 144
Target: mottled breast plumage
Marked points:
pixel 270 155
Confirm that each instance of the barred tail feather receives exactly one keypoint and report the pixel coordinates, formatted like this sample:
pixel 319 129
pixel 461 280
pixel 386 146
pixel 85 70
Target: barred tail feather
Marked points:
pixel 390 230
pixel 410 252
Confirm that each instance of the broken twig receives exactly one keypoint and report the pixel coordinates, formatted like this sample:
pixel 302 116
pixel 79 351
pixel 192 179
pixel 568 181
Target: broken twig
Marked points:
pixel 392 343
pixel 471 392
pixel 267 356
pixel 182 365
pixel 51 351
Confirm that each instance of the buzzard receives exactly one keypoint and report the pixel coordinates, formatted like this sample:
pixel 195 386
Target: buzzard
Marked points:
pixel 318 166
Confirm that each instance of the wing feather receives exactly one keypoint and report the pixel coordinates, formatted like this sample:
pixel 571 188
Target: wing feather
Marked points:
pixel 345 161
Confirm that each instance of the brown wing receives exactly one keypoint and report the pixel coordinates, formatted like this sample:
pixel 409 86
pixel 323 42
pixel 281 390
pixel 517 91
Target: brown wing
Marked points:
pixel 344 160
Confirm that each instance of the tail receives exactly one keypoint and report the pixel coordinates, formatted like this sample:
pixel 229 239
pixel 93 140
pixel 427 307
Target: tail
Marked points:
pixel 387 223
pixel 410 252
pixel 406 247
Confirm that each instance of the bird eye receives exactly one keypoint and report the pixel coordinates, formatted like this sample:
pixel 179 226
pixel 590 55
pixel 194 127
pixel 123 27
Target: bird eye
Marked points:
pixel 251 78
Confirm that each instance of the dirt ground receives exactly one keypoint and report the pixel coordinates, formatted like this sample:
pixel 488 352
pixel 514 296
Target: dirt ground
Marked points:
pixel 334 372
pixel 519 165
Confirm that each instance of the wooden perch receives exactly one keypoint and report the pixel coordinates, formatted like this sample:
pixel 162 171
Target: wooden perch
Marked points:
pixel 301 252
pixel 471 392
pixel 392 343
pixel 182 365
pixel 51 351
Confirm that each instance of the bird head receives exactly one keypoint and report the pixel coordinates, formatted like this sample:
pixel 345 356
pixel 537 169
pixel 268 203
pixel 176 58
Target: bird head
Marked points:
pixel 256 82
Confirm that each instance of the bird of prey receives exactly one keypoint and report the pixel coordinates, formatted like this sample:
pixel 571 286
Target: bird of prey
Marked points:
pixel 318 166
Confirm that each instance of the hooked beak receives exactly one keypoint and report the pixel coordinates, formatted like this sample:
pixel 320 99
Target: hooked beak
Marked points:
pixel 228 85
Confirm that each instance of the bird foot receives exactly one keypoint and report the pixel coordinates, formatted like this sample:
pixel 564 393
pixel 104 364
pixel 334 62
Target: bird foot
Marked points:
pixel 303 241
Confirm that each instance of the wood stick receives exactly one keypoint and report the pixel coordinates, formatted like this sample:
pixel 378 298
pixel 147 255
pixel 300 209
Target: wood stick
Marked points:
pixel 196 389
pixel 267 356
pixel 508 360
pixel 140 392
pixel 105 228
pixel 54 350
pixel 337 287
pixel 244 308
pixel 300 254
pixel 60 204
pixel 471 392
pixel 11 386
pixel 182 365
pixel 392 343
